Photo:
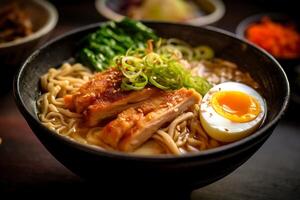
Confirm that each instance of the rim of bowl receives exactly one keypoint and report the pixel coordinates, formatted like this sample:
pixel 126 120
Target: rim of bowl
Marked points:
pixel 216 15
pixel 46 28
pixel 156 158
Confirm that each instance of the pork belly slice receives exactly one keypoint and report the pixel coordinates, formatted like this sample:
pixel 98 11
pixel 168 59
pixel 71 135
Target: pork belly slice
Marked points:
pixel 102 97
pixel 136 125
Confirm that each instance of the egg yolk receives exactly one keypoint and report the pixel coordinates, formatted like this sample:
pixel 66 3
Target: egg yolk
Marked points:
pixel 236 106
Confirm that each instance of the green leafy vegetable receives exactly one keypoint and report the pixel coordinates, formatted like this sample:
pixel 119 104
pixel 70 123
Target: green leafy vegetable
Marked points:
pixel 113 38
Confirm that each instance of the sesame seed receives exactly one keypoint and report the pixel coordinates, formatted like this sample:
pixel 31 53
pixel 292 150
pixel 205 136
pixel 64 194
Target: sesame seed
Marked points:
pixel 139 110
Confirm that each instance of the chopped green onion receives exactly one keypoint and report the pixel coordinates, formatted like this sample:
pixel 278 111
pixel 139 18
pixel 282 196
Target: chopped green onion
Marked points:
pixel 153 81
pixel 158 70
pixel 177 49
pixel 204 52
pixel 135 84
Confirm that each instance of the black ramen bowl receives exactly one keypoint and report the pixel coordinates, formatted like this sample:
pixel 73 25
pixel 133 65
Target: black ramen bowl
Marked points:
pixel 151 173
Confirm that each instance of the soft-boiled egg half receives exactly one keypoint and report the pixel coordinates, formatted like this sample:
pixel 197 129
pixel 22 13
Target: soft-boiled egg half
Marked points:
pixel 231 111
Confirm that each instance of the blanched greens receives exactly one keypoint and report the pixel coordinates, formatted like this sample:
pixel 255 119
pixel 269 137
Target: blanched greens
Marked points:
pixel 113 38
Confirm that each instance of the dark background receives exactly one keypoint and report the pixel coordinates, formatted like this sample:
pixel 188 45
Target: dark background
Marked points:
pixel 272 173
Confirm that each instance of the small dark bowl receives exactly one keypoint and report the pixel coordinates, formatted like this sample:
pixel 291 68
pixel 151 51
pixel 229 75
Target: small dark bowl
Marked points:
pixel 286 63
pixel 289 65
pixel 44 17
pixel 120 170
pixel 209 11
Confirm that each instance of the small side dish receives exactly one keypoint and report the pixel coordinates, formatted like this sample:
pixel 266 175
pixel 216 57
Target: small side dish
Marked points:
pixel 23 25
pixel 282 40
pixel 167 10
pixel 14 23
pixel 195 12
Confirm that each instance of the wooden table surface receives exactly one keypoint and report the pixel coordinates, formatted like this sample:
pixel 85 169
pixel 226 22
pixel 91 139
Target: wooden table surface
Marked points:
pixel 26 167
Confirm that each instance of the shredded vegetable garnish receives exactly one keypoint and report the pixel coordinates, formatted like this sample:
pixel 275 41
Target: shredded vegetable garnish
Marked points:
pixel 282 41
pixel 141 68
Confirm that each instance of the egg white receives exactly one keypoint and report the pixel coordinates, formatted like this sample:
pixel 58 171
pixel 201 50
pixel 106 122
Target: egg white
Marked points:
pixel 221 128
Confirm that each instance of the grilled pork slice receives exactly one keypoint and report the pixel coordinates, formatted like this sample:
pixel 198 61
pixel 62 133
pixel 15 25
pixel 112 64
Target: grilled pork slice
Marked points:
pixel 102 86
pixel 103 109
pixel 101 97
pixel 114 131
pixel 136 125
